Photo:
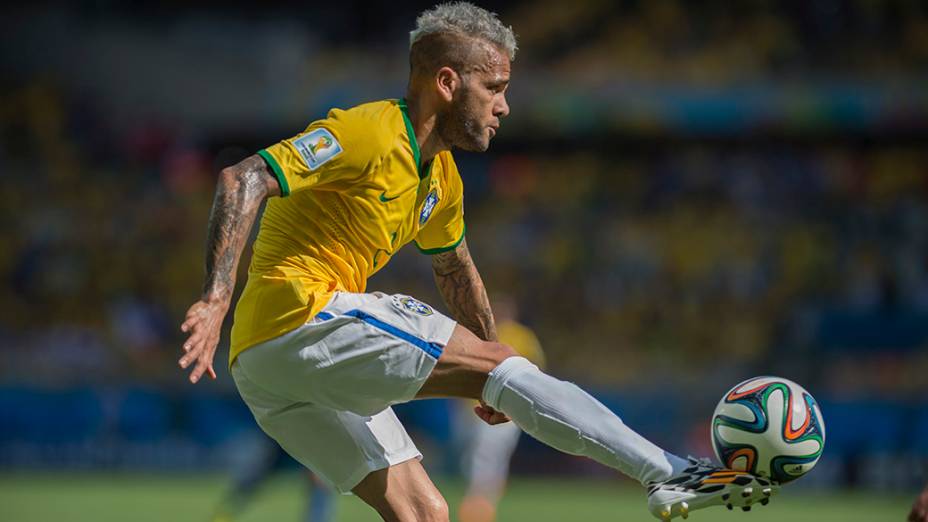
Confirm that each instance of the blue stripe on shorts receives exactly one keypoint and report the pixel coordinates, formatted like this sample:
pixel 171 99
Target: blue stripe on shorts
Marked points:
pixel 433 349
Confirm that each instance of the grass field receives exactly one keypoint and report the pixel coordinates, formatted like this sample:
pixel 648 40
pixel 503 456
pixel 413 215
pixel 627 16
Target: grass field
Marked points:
pixel 138 498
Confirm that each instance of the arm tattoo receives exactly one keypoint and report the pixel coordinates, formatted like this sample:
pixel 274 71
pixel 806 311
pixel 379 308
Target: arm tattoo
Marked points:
pixel 239 193
pixel 463 291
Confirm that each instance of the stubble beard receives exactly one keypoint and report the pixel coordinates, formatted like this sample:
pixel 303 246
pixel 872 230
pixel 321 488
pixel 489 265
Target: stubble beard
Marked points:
pixel 459 126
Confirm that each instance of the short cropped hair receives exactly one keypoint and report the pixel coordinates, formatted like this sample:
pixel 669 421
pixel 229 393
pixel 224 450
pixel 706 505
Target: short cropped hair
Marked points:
pixel 444 36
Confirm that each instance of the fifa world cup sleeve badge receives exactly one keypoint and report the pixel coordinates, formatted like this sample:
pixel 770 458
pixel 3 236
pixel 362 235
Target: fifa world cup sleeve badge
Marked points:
pixel 317 147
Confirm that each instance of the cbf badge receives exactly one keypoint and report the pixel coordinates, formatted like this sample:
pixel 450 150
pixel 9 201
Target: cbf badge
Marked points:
pixel 413 305
pixel 428 206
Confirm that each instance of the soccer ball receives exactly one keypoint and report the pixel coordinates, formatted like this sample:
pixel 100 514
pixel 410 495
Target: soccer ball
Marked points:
pixel 770 427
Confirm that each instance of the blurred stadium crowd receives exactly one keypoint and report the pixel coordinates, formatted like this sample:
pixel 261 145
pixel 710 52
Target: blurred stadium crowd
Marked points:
pixel 687 195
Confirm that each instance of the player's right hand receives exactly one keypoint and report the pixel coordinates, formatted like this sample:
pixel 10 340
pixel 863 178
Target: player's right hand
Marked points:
pixel 204 324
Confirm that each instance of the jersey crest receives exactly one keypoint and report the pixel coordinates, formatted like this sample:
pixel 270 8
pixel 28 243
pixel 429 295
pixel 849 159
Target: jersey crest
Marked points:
pixel 428 206
pixel 317 147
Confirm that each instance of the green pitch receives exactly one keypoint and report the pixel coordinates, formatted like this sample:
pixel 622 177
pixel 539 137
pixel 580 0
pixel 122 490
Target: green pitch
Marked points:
pixel 105 498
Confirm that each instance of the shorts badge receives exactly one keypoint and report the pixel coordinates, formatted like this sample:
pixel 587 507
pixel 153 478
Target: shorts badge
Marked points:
pixel 413 305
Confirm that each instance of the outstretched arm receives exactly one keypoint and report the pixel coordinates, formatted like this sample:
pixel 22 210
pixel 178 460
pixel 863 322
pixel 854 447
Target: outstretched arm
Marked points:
pixel 462 289
pixel 239 193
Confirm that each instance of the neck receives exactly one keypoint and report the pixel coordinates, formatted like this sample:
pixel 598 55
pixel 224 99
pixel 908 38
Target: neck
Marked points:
pixel 424 120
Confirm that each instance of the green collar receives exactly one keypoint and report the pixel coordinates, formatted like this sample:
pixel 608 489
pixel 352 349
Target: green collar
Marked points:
pixel 404 108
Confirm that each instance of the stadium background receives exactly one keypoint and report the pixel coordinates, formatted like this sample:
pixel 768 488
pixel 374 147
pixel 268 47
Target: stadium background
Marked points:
pixel 686 194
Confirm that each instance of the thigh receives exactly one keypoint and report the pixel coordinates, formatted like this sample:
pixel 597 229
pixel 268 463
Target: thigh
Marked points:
pixel 463 367
pixel 339 446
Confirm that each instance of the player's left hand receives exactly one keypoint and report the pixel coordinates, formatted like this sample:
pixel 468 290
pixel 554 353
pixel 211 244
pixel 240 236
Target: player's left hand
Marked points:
pixel 204 324
pixel 919 511
pixel 489 415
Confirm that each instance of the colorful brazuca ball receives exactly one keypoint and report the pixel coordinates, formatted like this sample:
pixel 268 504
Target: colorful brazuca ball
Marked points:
pixel 769 426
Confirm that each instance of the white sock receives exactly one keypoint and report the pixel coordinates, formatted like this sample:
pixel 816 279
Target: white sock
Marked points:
pixel 567 418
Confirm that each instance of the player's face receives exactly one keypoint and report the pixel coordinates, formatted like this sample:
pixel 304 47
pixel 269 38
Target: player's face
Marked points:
pixel 479 104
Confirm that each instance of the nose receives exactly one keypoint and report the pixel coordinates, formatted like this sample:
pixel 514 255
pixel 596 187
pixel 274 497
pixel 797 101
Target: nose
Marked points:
pixel 501 109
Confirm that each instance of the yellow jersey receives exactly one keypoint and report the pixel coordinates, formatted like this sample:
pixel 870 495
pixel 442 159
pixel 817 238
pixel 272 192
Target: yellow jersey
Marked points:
pixel 353 192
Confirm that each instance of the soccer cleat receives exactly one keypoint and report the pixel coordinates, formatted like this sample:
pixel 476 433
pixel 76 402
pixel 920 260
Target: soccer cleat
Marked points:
pixel 702 485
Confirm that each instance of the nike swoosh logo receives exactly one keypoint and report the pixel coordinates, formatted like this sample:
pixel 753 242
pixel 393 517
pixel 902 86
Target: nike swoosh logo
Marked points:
pixel 385 199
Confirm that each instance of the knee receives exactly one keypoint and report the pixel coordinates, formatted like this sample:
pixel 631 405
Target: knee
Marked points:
pixel 427 506
pixel 432 508
pixel 499 352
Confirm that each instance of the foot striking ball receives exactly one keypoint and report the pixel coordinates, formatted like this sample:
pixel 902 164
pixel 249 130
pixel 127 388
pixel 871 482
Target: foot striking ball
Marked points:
pixel 769 426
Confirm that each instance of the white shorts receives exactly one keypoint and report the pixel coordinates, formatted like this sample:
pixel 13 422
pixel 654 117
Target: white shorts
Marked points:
pixel 323 391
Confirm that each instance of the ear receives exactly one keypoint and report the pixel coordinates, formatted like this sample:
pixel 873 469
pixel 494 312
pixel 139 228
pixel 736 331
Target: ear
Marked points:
pixel 447 81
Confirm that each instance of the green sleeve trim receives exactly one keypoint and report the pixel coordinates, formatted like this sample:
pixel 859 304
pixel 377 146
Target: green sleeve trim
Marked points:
pixel 411 134
pixel 278 172
pixel 439 250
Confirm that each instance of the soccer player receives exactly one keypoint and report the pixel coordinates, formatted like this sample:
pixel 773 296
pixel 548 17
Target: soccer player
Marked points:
pixel 919 511
pixel 490 447
pixel 319 361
